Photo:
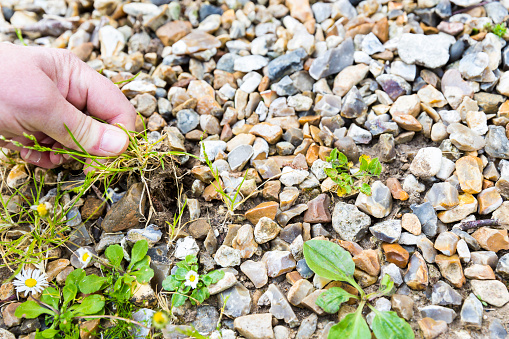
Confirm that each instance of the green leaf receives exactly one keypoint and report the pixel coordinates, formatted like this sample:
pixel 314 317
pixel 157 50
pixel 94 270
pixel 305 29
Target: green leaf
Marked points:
pixel 181 273
pixel 212 277
pixel 90 305
pixel 51 296
pixel 69 292
pixel 387 325
pixel 330 301
pixel 375 168
pixel 114 254
pixel 143 263
pixel 30 309
pixel 138 252
pixel 178 300
pixel 200 294
pixel 92 283
pixel 49 333
pixel 342 159
pixel 386 285
pixel 75 277
pixel 352 326
pixel 143 275
pixel 184 265
pixel 329 260
pixel 364 164
pixel 171 283
pixel 365 189
pixel 191 259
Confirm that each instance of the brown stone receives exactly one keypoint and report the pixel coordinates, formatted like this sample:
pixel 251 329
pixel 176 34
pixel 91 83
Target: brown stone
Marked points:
pixel 125 214
pixel 211 193
pixel 368 261
pixel 491 239
pixel 446 243
pixel 396 254
pixel 83 51
pixel 407 122
pixel 480 272
pixel 403 305
pixel 7 290
pixel 396 190
pixel 203 173
pixel 173 31
pixel 89 329
pixel 381 29
pixel 92 209
pixel 318 210
pixel 271 190
pixel 432 328
pixel 8 316
pixel 293 277
pixel 265 209
pixel 299 291
pixel 363 278
pixel 312 154
pixel 310 119
pixel 351 247
pixel 469 171
pixel 199 229
pixel 271 133
pixel 489 200
pixel 450 268
pixel 416 276
pixel 411 223
pixel 310 302
pixel 300 10
pixel 55 267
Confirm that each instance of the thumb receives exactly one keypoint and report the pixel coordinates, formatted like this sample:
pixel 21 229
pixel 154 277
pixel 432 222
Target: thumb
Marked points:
pixel 94 137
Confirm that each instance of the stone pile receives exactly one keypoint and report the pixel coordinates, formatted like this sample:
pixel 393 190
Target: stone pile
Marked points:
pixel 266 90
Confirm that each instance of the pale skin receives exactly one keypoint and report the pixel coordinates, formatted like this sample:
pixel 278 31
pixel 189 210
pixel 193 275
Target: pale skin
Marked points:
pixel 42 90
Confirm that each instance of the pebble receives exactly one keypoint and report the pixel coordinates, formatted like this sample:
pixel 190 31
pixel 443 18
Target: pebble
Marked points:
pixel 255 326
pixel 236 301
pixel 428 218
pixel 443 294
pixel 403 305
pixel 497 330
pixel 278 263
pixel 227 256
pixel 379 203
pixel 438 313
pixel 416 276
pixel 413 48
pixel 492 239
pixel 493 292
pixel 350 223
pixel 451 269
pixel 427 162
pixel 279 306
pixel 388 231
pixel 431 328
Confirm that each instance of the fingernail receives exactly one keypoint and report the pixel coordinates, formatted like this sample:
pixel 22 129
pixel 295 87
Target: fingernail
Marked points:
pixel 113 141
pixel 33 156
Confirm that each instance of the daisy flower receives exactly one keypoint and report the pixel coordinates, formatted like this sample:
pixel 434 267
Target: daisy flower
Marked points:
pixel 160 319
pixel 84 256
pixel 192 279
pixel 30 281
pixel 42 209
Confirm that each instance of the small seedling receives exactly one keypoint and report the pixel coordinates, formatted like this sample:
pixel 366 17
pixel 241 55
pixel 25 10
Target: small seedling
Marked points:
pixel 342 174
pixel 499 29
pixel 330 261
pixel 186 283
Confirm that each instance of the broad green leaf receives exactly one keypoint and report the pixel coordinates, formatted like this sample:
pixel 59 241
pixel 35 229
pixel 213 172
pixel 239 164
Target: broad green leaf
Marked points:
pixel 115 254
pixel 191 259
pixel 143 275
pixel 353 326
pixel 181 273
pixel 375 168
pixel 364 164
pixel 178 300
pixel 30 309
pixel 143 263
pixel 51 296
pixel 138 252
pixel 91 304
pixel 200 294
pixel 330 301
pixel 92 283
pixel 69 292
pixel 329 260
pixel 171 283
pixel 49 333
pixel 75 277
pixel 386 285
pixel 212 277
pixel 387 325
pixel 184 265
pixel 343 160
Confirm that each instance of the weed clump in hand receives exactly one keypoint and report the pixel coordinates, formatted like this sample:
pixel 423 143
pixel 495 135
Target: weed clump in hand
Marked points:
pixel 330 261
pixel 345 177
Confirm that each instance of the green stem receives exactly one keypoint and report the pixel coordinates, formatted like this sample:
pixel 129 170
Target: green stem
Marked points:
pixel 352 282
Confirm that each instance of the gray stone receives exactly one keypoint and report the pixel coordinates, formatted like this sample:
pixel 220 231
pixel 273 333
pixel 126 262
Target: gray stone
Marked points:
pixel 187 120
pixel 438 313
pixel 387 231
pixel 255 326
pixel 415 48
pixel 497 330
pixel 467 140
pixel 286 64
pixel 206 319
pixel 443 294
pixel 395 86
pixel 503 266
pixel 371 44
pixel 428 218
pixel 427 162
pixel 379 203
pixel 237 301
pixel 151 234
pixel 350 223
pixel 239 157
pixel 497 144
pixel 333 60
pixel 493 292
pixel 279 306
pixel 471 312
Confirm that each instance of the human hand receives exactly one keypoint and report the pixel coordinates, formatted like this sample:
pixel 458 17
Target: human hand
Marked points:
pixel 42 90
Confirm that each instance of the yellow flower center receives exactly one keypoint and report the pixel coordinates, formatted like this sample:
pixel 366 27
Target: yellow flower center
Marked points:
pixel 30 282
pixel 192 278
pixel 159 317
pixel 42 210
pixel 85 256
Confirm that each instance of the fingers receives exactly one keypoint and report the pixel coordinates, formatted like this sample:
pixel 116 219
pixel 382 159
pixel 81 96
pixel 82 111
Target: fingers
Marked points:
pixel 84 88
pixel 95 137
pixel 41 159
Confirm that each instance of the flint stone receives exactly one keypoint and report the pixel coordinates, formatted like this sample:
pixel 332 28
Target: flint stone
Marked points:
pixel 415 49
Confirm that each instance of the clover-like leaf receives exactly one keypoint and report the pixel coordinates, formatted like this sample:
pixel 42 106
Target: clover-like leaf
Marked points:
pixel 138 252
pixel 115 254
pixel 212 277
pixel 171 283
